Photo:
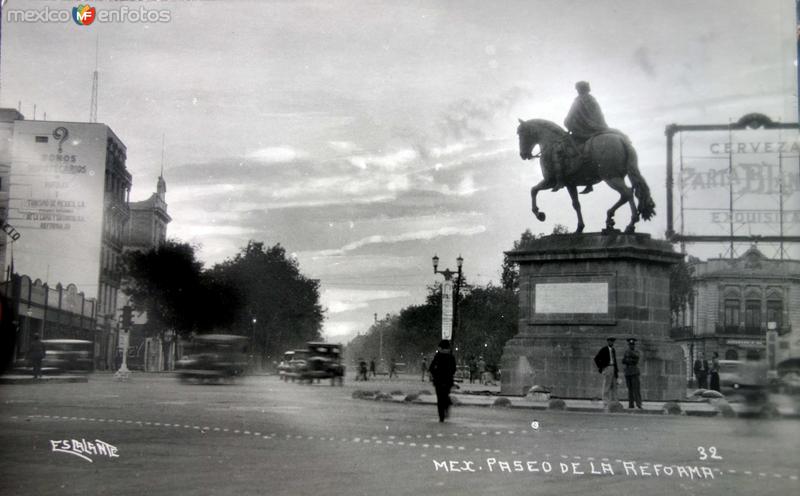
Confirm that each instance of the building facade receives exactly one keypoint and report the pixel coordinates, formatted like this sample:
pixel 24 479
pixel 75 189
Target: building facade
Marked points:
pixel 742 308
pixel 147 230
pixel 10 234
pixel 68 200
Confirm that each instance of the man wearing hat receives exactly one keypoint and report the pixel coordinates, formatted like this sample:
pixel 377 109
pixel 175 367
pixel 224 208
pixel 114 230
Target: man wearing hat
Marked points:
pixel 584 120
pixel 442 369
pixel 631 362
pixel 606 361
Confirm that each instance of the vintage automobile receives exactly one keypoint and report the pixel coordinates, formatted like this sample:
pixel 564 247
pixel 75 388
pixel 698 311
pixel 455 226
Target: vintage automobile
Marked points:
pixel 67 355
pixel 324 361
pixel 213 358
pixel 729 375
pixel 285 367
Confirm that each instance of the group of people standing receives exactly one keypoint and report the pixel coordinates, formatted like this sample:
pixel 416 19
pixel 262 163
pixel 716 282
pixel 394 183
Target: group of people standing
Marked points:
pixel 363 373
pixel 606 362
pixel 707 375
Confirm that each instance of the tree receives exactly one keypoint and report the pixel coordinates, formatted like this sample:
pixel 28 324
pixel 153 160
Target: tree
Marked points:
pixel 489 317
pixel 169 284
pixel 278 307
pixel 680 286
pixel 509 276
pixel 165 282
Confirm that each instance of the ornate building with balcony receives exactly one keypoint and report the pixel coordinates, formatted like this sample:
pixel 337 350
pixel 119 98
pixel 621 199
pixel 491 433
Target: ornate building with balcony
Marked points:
pixel 734 305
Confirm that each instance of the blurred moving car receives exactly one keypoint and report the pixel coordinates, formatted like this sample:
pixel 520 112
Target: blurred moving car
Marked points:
pixel 789 375
pixel 297 361
pixel 285 367
pixel 729 378
pixel 213 357
pixel 67 355
pixel 324 361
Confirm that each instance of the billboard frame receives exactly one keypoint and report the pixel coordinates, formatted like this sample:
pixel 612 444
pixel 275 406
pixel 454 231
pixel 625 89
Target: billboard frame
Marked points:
pixel 748 121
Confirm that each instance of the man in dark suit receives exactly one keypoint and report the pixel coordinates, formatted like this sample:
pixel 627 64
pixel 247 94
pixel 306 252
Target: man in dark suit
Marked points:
pixel 606 361
pixel 442 369
pixel 701 371
pixel 630 360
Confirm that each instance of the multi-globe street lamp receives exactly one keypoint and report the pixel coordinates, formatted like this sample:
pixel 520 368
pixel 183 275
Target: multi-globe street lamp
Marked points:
pixel 448 276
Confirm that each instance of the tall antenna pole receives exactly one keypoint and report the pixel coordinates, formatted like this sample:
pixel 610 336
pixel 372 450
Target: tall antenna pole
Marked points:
pixel 93 105
pixel 161 174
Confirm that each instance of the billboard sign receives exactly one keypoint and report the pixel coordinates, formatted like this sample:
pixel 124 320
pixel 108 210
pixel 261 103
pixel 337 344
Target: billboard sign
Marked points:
pixel 56 201
pixel 735 182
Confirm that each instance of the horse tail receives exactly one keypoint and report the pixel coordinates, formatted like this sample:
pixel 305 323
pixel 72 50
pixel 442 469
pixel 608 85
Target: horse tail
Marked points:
pixel 646 205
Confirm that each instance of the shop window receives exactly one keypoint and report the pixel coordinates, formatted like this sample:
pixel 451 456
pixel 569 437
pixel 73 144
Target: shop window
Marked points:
pixel 731 355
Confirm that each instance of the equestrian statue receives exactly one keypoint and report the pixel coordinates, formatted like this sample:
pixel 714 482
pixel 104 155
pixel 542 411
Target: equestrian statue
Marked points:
pixel 589 153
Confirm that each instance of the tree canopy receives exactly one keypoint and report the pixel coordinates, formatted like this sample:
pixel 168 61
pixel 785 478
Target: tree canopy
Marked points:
pixel 259 293
pixel 169 284
pixel 278 306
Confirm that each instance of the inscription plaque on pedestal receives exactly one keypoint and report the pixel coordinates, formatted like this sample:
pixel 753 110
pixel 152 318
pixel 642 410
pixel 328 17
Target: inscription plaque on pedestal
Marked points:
pixel 571 297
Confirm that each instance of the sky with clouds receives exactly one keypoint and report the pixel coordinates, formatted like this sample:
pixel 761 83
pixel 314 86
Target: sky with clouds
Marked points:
pixel 367 136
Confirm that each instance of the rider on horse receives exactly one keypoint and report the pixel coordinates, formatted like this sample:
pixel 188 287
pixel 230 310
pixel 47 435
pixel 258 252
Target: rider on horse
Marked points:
pixel 584 120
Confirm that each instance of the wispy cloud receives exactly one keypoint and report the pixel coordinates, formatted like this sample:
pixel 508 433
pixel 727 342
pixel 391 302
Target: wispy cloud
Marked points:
pixel 343 146
pixel 339 300
pixel 387 161
pixel 408 236
pixel 276 154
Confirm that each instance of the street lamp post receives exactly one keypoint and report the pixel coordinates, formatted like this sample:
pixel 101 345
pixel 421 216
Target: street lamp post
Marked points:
pixel 448 276
pixel 253 339
pixel 123 333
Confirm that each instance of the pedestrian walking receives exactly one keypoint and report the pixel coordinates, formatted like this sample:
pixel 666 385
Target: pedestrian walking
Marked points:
pixel 713 372
pixel 606 361
pixel 392 368
pixel 442 369
pixel 36 353
pixel 473 369
pixel 372 367
pixel 631 370
pixel 481 370
pixel 423 368
pixel 701 371
pixel 362 370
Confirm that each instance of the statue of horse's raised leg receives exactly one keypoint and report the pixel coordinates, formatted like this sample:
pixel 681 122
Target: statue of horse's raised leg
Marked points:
pixel 543 184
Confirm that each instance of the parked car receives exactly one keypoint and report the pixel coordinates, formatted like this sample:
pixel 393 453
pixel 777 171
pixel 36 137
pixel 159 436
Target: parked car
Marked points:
pixel 213 357
pixel 324 361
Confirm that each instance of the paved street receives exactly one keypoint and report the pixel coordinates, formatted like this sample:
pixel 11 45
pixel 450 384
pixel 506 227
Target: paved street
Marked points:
pixel 263 436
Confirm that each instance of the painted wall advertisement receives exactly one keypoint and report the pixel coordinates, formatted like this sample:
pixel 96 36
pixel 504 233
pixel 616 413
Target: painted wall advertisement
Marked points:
pixel 740 183
pixel 56 201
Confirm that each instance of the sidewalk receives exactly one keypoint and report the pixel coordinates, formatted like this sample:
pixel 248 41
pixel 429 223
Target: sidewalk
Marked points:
pixel 780 405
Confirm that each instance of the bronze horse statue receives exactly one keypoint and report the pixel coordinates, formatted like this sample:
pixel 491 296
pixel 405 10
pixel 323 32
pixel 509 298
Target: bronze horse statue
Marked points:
pixel 607 156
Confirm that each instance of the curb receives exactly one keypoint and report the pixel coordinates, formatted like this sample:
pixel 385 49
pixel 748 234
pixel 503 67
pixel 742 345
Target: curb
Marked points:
pixel 48 380
pixel 706 411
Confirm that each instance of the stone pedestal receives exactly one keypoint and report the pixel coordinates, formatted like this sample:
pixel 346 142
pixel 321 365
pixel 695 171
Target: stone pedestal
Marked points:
pixel 575 291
